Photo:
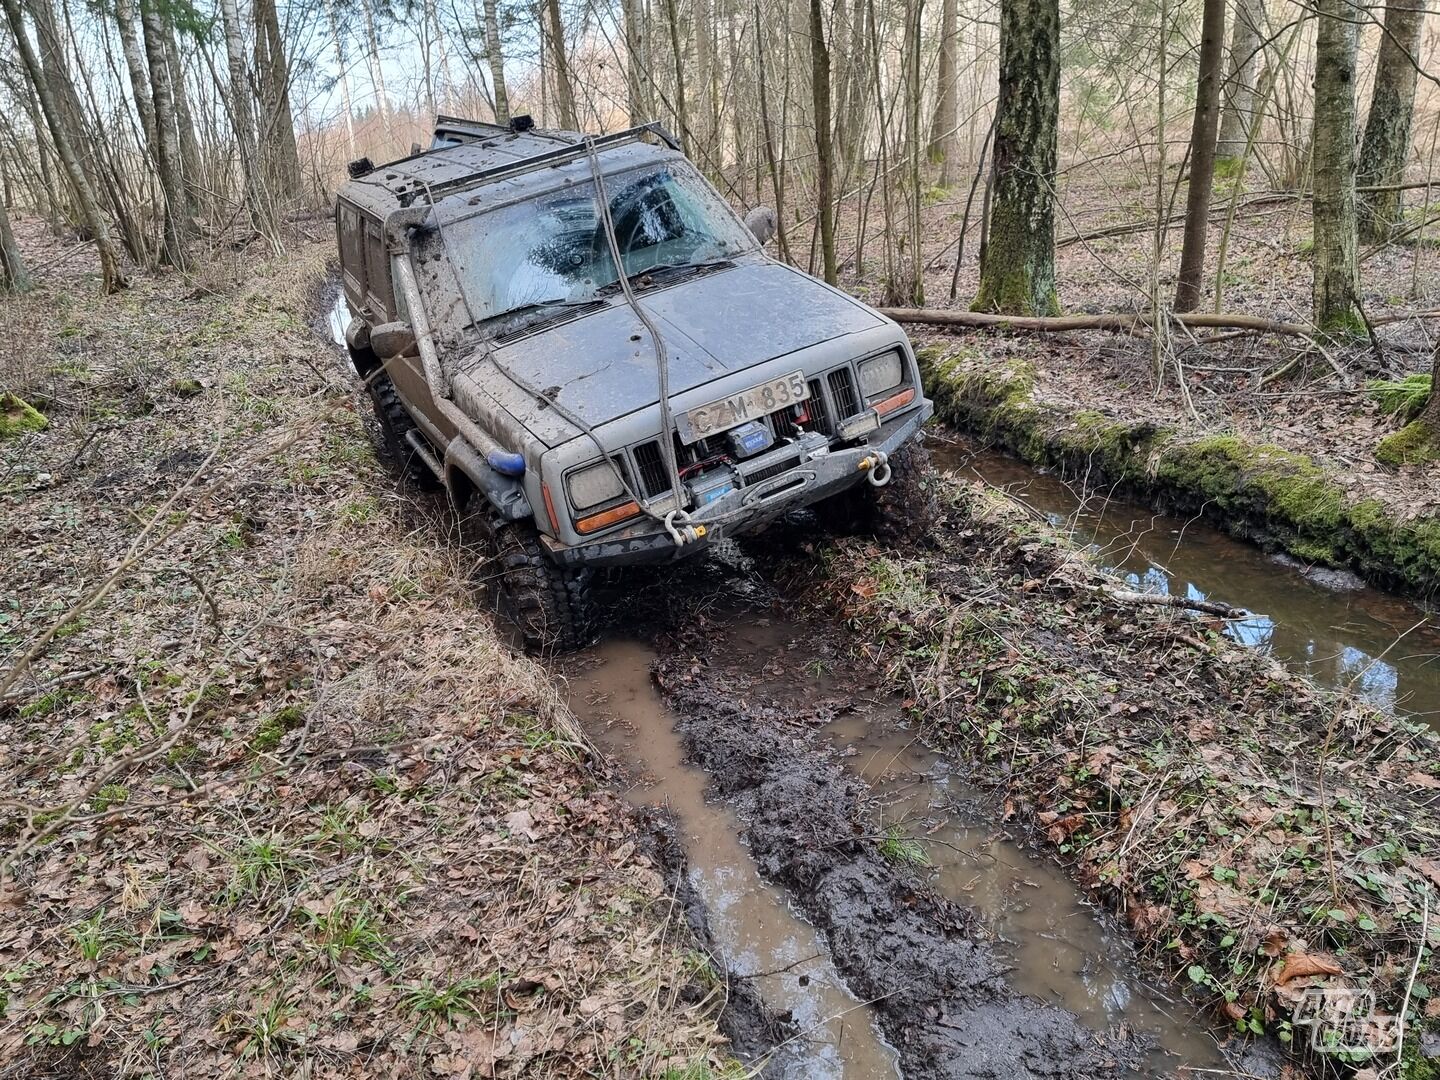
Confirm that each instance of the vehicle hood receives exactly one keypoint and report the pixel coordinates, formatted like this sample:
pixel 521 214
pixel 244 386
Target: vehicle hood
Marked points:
pixel 602 366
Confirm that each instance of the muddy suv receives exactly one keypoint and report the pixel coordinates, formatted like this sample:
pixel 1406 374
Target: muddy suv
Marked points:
pixel 581 341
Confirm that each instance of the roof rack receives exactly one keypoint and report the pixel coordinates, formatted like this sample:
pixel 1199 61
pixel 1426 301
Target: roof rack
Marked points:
pixel 572 149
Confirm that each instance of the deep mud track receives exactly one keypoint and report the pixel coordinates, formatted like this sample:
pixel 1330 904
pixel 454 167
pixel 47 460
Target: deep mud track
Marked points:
pixel 742 734
pixel 938 990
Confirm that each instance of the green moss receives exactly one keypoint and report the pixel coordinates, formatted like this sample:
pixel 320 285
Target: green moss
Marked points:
pixel 1414 444
pixel 17 417
pixel 1228 168
pixel 1403 397
pixel 1244 487
pixel 273 728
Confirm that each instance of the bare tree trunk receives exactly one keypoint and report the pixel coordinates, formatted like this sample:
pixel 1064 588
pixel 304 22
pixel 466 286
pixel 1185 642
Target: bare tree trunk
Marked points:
pixel 564 87
pixel 496 59
pixel 139 80
pixel 14 278
pixel 184 121
pixel 1337 273
pixel 372 60
pixel 1430 415
pixel 705 64
pixel 776 178
pixel 1188 288
pixel 277 122
pixel 914 284
pixel 166 136
pixel 672 17
pixel 1017 267
pixel 1386 145
pixel 942 149
pixel 241 101
pixel 340 66
pixel 825 161
pixel 1239 93
pixel 637 61
pixel 112 275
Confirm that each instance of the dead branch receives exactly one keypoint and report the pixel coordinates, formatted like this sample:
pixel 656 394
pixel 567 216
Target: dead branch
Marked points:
pixel 1115 321
pixel 1209 607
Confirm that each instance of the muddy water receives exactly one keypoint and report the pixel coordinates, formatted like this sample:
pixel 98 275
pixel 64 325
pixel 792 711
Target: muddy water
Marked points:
pixel 1343 634
pixel 754 929
pixel 1062 949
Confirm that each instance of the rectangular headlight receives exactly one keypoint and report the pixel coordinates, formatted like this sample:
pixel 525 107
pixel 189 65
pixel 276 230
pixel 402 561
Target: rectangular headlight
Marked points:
pixel 881 373
pixel 594 485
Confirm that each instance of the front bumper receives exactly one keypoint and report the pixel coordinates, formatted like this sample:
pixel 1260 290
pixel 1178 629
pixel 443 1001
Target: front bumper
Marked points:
pixel 746 509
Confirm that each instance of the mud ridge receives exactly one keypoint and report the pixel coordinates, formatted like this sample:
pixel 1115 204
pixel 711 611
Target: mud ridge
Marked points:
pixel 939 992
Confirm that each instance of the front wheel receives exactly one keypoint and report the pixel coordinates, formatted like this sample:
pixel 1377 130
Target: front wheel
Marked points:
pixel 549 605
pixel 905 510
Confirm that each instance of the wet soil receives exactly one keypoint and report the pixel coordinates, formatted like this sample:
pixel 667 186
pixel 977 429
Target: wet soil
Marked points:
pixel 1326 623
pixel 815 1026
pixel 937 932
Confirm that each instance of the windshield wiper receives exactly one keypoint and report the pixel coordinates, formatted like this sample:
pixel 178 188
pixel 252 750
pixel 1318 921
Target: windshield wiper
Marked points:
pixel 668 271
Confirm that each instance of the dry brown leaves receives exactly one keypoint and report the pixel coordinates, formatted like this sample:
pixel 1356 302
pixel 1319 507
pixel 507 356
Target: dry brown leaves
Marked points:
pixel 351 834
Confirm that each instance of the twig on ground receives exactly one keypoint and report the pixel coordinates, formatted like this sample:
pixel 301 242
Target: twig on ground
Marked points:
pixel 1209 607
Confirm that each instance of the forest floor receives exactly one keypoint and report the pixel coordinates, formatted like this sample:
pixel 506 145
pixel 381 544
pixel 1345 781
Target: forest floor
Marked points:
pixel 277 799
pixel 1094 379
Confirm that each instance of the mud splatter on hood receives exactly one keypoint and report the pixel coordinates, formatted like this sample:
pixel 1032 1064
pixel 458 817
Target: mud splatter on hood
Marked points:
pixel 604 367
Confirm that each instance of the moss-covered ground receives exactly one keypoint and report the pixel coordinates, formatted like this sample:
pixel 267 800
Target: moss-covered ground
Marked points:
pixel 1256 490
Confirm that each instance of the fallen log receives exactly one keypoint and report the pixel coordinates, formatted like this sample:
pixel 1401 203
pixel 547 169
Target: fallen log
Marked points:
pixel 1115 322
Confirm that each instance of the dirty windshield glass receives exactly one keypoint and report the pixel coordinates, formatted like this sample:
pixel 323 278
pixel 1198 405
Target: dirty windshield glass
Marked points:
pixel 540 255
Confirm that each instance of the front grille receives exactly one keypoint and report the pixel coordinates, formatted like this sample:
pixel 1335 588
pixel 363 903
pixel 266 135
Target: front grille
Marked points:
pixel 819 414
pixel 772 470
pixel 842 390
pixel 651 465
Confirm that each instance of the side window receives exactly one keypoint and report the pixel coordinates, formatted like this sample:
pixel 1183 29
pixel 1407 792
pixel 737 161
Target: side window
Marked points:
pixel 402 310
pixel 352 250
pixel 377 264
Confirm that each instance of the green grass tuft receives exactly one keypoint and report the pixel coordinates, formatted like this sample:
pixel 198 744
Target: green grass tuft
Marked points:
pixel 1403 397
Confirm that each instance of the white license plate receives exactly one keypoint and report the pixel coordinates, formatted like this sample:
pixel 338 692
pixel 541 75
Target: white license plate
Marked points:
pixel 767 397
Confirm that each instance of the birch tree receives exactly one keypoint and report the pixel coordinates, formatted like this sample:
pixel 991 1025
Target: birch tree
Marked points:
pixel 496 59
pixel 63 136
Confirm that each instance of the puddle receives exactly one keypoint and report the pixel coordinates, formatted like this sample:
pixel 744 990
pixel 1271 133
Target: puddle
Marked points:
pixel 1341 633
pixel 753 927
pixel 1063 950
pixel 339 317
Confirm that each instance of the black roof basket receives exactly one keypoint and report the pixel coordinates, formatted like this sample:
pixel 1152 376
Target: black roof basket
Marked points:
pixel 570 149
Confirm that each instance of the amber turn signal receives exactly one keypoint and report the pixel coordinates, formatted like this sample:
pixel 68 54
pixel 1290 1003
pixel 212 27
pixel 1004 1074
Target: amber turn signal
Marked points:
pixel 607 517
pixel 897 401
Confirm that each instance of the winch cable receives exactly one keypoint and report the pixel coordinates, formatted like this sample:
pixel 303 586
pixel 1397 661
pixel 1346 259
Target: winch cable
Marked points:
pixel 662 354
pixel 685 532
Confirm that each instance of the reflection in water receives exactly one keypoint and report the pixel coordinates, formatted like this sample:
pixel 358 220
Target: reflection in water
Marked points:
pixel 751 922
pixel 1327 624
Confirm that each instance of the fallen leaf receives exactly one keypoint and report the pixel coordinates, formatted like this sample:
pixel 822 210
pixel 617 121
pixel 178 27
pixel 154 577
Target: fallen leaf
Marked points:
pixel 1298 965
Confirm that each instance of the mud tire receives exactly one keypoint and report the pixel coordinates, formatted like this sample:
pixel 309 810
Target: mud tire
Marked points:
pixel 904 511
pixel 395 425
pixel 549 605
pixel 908 508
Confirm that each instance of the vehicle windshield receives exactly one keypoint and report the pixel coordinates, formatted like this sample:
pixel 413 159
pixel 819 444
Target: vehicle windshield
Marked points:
pixel 547 253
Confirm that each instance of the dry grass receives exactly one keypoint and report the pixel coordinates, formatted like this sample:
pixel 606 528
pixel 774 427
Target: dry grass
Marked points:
pixel 277 799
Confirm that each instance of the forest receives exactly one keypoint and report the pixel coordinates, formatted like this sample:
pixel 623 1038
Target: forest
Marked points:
pixel 1123 759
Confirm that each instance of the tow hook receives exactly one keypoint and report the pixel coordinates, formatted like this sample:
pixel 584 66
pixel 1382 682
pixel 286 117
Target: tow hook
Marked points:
pixel 876 467
pixel 686 533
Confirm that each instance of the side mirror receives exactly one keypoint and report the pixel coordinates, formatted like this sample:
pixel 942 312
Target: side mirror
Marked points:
pixel 392 339
pixel 761 223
